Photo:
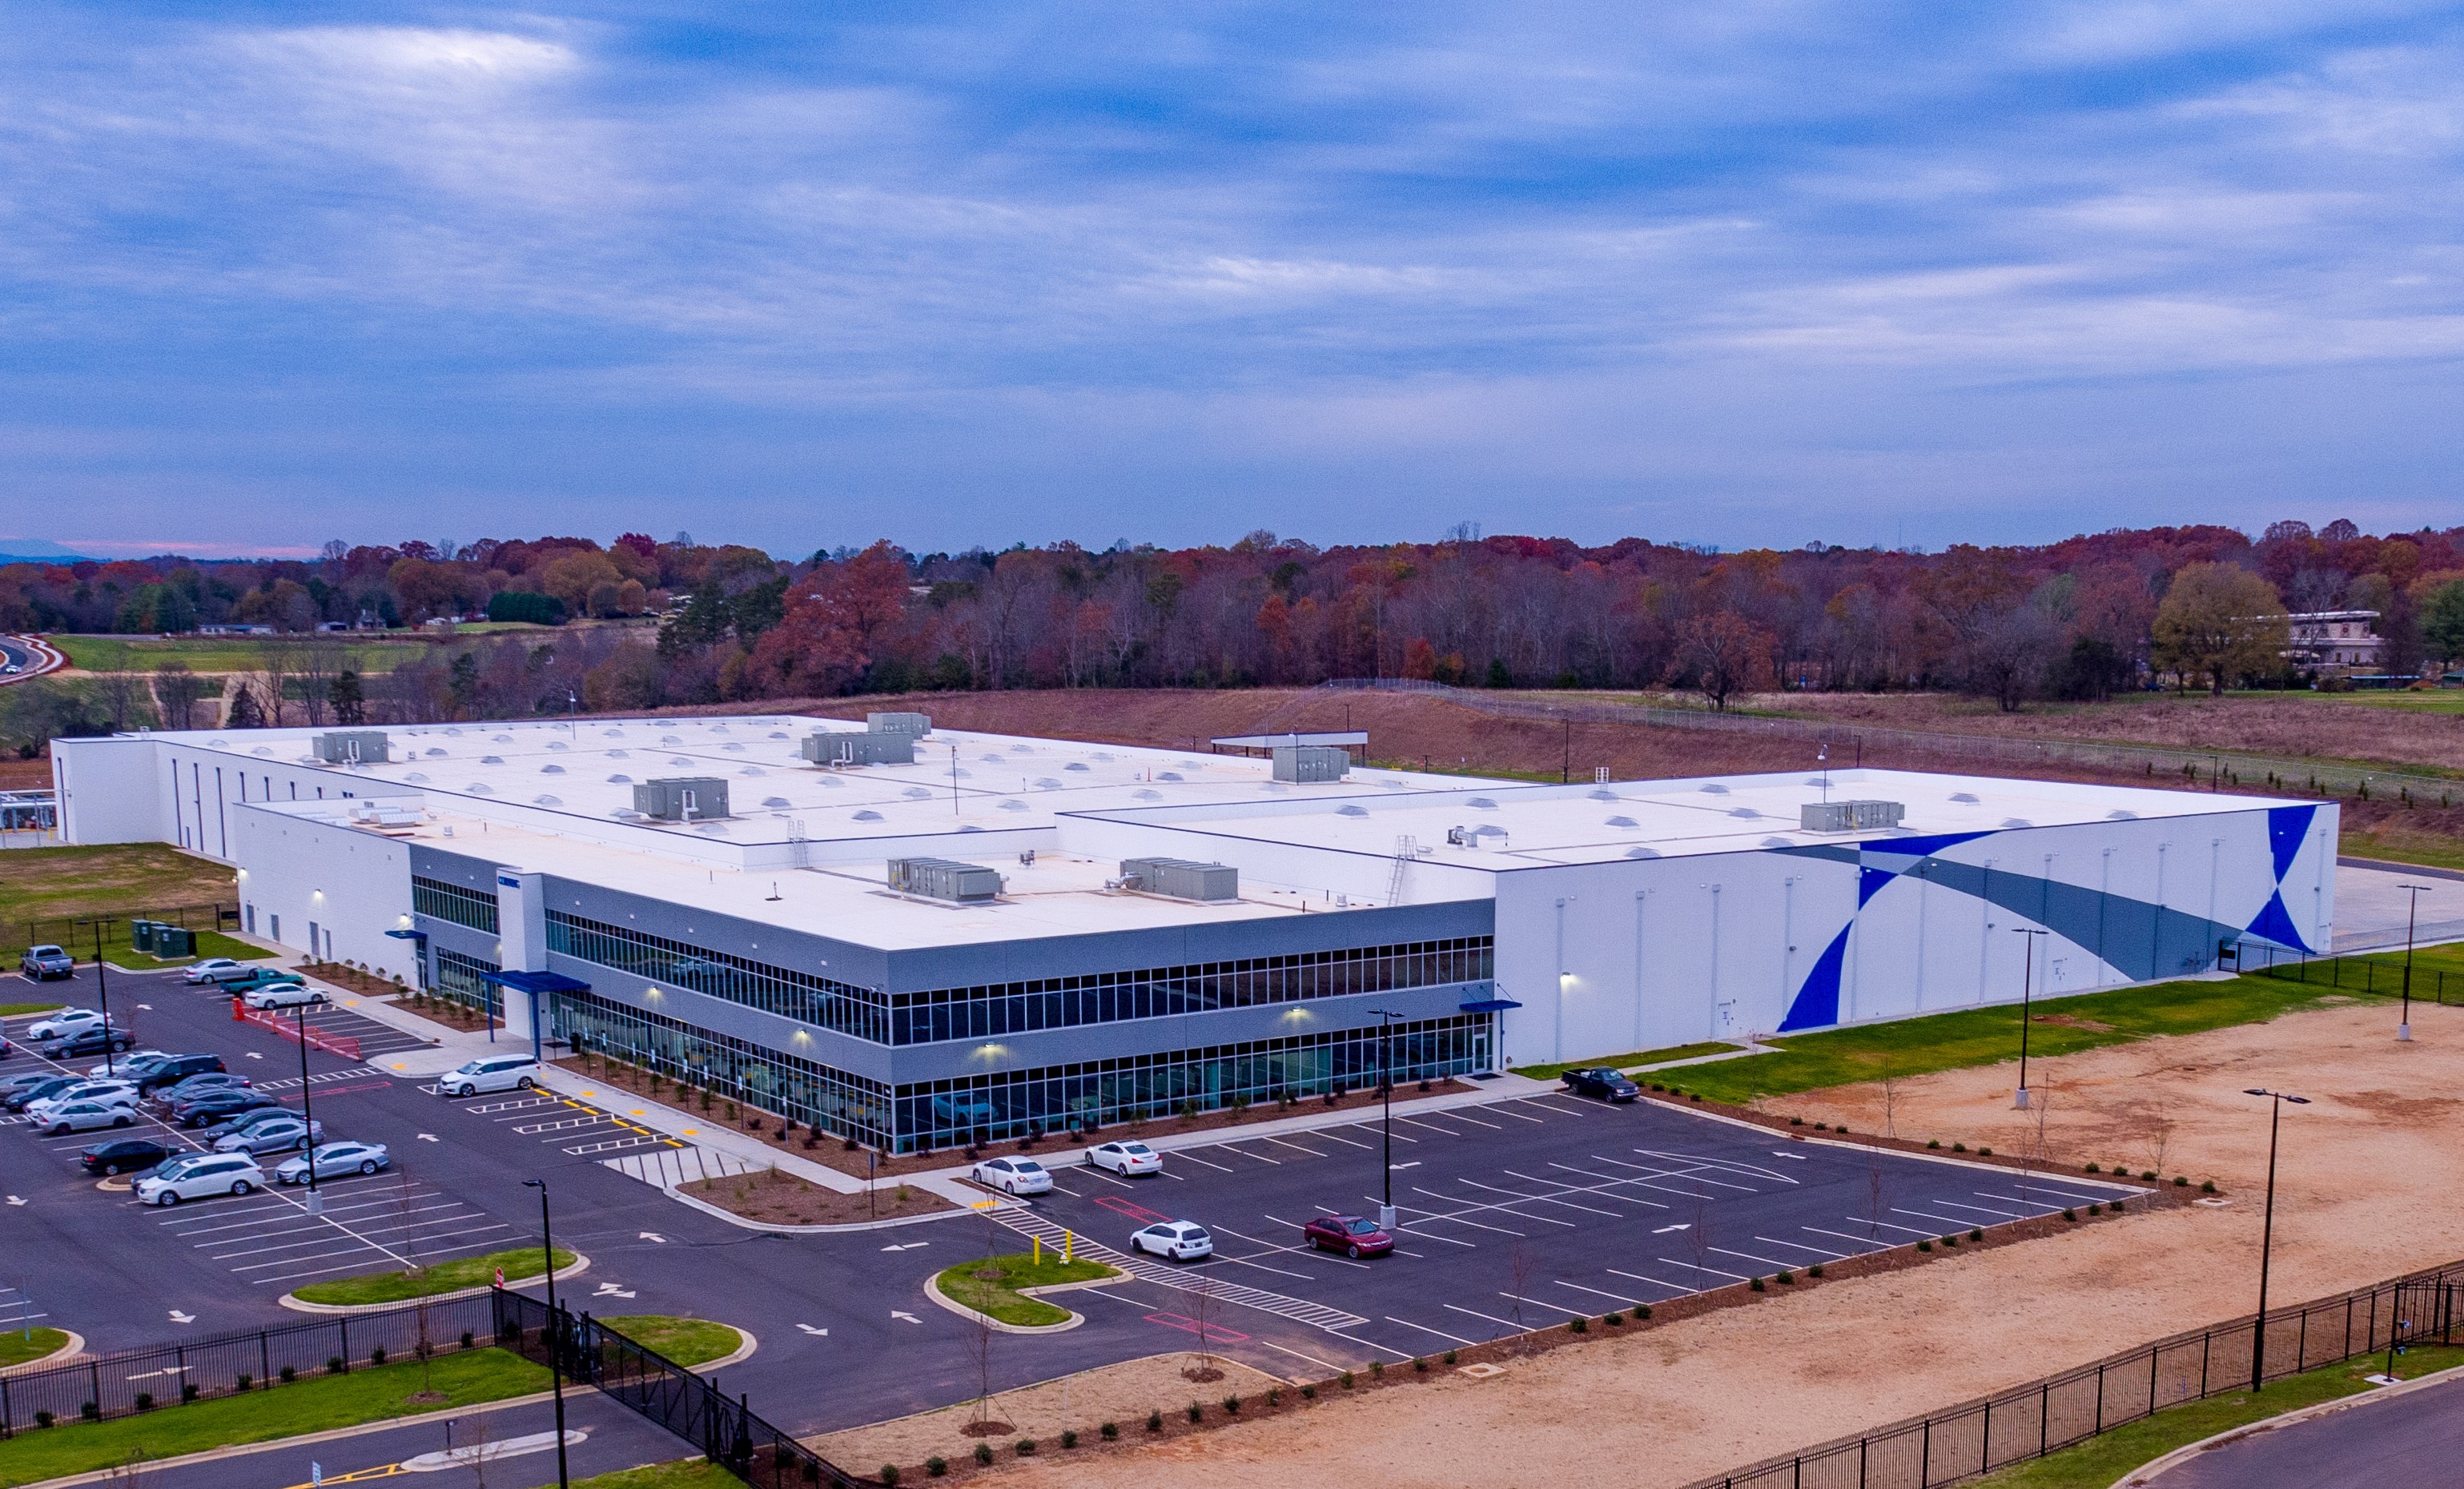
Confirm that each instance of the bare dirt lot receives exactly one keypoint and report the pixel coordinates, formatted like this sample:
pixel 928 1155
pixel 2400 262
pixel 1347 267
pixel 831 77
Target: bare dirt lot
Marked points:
pixel 2365 1190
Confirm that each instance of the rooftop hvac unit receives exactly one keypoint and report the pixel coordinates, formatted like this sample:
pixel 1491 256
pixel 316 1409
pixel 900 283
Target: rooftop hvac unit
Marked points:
pixel 1311 762
pixel 681 799
pixel 866 749
pixel 941 879
pixel 915 725
pixel 1180 879
pixel 1849 815
pixel 352 747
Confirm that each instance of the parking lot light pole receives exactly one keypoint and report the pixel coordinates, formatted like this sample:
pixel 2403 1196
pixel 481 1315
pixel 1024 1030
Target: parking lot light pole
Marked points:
pixel 2267 1233
pixel 102 991
pixel 554 1331
pixel 308 1113
pixel 2027 989
pixel 2412 907
pixel 1386 1084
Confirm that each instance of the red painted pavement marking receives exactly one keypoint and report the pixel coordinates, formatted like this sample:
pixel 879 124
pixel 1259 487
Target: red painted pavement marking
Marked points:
pixel 1130 1208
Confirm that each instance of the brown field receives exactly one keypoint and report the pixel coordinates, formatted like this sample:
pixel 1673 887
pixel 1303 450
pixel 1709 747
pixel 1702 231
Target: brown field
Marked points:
pixel 2364 1193
pixel 43 884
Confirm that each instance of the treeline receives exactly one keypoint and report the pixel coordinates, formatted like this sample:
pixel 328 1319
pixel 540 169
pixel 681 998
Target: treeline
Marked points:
pixel 2077 618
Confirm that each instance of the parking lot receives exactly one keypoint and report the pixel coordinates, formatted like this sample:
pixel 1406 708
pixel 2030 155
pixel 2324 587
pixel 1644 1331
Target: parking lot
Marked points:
pixel 1514 1214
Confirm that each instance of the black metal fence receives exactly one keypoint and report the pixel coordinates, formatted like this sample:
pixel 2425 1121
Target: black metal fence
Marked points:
pixel 2378 973
pixel 2033 1420
pixel 76 933
pixel 688 1405
pixel 127 1382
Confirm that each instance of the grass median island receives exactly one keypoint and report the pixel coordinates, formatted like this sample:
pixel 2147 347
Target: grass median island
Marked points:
pixel 445 1277
pixel 1986 1035
pixel 2102 1461
pixel 682 1474
pixel 1648 1057
pixel 998 1296
pixel 315 1404
pixel 19 1345
pixel 19 1010
pixel 688 1341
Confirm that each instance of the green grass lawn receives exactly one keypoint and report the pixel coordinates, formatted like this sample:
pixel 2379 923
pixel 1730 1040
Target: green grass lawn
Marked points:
pixel 998 1296
pixel 1986 1036
pixel 2100 1462
pixel 445 1277
pixel 224 653
pixel 14 1010
pixel 2396 845
pixel 48 887
pixel 19 1345
pixel 318 1404
pixel 688 1341
pixel 682 1474
pixel 1649 1057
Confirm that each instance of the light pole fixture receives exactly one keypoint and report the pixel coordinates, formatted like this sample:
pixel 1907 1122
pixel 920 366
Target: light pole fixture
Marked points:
pixel 2267 1232
pixel 102 990
pixel 2412 906
pixel 307 1110
pixel 2026 993
pixel 554 1331
pixel 1386 1087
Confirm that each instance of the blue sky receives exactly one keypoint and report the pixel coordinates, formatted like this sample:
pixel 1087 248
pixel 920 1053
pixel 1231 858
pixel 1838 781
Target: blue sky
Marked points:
pixel 1755 272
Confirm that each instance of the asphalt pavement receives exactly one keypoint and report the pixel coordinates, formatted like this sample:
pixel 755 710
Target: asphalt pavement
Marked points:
pixel 2409 1441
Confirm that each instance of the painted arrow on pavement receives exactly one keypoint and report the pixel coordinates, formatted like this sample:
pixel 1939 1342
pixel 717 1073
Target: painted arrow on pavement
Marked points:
pixel 15 1201
pixel 818 1333
pixel 429 1137
pixel 1666 1229
pixel 177 1316
pixel 653 1236
pixel 908 1317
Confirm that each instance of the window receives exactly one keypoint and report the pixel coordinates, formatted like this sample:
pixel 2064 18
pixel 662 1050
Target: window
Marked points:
pixel 476 909
pixel 463 979
pixel 800 996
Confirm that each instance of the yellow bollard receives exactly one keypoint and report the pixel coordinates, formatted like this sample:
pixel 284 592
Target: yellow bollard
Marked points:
pixel 1039 1251
pixel 1068 1242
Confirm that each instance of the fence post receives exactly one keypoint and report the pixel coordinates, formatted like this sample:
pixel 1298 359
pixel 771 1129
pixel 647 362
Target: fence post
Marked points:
pixel 264 1360
pixel 5 1417
pixel 2100 1402
pixel 1860 1462
pixel 2301 1345
pixel 2206 1340
pixel 1924 1458
pixel 2153 1353
pixel 2044 1415
pixel 343 1321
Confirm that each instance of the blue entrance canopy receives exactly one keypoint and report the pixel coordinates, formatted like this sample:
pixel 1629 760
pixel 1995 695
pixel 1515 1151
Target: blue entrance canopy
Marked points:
pixel 419 937
pixel 1491 1005
pixel 535 981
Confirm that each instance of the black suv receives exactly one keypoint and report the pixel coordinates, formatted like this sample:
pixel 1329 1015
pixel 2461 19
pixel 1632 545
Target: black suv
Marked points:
pixel 1603 1083
pixel 173 1070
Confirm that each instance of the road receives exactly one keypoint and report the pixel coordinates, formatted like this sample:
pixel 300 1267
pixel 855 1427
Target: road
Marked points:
pixel 2412 1441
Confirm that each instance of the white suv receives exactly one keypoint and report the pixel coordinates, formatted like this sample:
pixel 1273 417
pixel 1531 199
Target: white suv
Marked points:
pixel 198 1176
pixel 1181 1241
pixel 496 1073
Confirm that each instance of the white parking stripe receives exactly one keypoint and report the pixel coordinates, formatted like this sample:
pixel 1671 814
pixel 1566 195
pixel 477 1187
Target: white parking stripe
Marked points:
pixel 1637 1277
pixel 1426 1329
pixel 1491 1317
pixel 1594 1291
pixel 1862 1241
pixel 1803 1246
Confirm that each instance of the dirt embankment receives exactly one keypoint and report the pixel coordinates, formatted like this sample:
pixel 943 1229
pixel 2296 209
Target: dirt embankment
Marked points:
pixel 2365 1190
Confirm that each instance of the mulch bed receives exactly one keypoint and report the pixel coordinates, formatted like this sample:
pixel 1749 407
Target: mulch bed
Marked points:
pixel 365 984
pixel 448 1013
pixel 778 1198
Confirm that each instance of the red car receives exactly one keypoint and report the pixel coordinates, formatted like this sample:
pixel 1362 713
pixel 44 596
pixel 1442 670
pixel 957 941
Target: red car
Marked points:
pixel 1348 1234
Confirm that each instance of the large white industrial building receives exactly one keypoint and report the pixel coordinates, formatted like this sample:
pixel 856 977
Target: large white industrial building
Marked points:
pixel 916 936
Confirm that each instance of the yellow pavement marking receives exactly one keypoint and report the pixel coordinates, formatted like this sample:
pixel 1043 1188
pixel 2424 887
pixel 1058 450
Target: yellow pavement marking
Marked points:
pixel 388 1471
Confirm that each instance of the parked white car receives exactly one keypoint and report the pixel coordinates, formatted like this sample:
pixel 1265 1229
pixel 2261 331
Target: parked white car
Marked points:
pixel 111 1093
pixel 282 995
pixel 197 1175
pixel 1012 1175
pixel 67 1023
pixel 332 1159
pixel 494 1073
pixel 1126 1159
pixel 56 1118
pixel 1178 1241
pixel 136 1063
pixel 217 969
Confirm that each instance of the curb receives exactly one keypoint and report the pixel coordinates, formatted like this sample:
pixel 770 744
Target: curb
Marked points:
pixel 2146 1472
pixel 933 1291
pixel 65 1353
pixel 579 1266
pixel 364 1429
pixel 775 1229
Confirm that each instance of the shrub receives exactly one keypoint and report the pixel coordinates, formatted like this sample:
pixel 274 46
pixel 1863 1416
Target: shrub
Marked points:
pixel 1641 1312
pixel 2095 1209
pixel 1925 1245
pixel 1815 1270
pixel 465 1339
pixel 288 1375
pixel 2206 1186
pixel 1613 1318
pixel 1579 1325
pixel 1155 1421
pixel 2070 1215
pixel 145 1401
pixel 1274 1395
pixel 1976 1233
pixel 1796 1122
pixel 1823 1126
pixel 2181 1182
pixel 375 1356
pixel 1693 1096
pixel 334 1365
pixel 1756 1284
pixel 1232 1405
pixel 1984 1153
pixel 890 1472
pixel 1842 1127
pixel 2114 1205
pixel 242 1384
pixel 1069 1438
pixel 1110 1430
pixel 1309 1392
pixel 1950 1241
pixel 1346 1379
pixel 1786 1277
pixel 189 1391
pixel 1933 1143
pixel 1026 1447
pixel 2148 1174
pixel 2093 1168
pixel 937 1466
pixel 43 1418
pixel 1196 1412
pixel 1419 1366
pixel 1450 1357
pixel 984 1454
pixel 90 1412
pixel 1378 1369
pixel 1959 1148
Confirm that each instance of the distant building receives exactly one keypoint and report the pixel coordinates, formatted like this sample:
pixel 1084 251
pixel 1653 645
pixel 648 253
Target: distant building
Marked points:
pixel 2337 638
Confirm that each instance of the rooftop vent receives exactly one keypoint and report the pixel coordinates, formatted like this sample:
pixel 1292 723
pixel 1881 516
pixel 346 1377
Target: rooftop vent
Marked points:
pixel 681 799
pixel 1743 811
pixel 1168 776
pixel 1311 762
pixel 867 815
pixel 352 747
pixel 434 755
pixel 619 779
pixel 547 802
pixel 619 755
pixel 1180 879
pixel 917 794
pixel 944 879
pixel 1968 797
pixel 480 789
pixel 2016 821
pixel 416 778
pixel 491 760
pixel 551 770
pixel 2121 815
pixel 1621 822
pixel 915 725
pixel 774 801
pixel 1013 804
pixel 1849 815
pixel 1715 789
pixel 1642 852
pixel 1484 803
pixel 1604 795
pixel 1352 809
pixel 1075 765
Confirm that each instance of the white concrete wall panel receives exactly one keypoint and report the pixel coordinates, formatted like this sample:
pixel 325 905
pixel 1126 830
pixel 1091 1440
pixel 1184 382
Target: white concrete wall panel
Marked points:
pixel 346 881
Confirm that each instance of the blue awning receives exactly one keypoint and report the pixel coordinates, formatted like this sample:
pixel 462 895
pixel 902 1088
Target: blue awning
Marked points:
pixel 535 981
pixel 1491 1005
pixel 420 936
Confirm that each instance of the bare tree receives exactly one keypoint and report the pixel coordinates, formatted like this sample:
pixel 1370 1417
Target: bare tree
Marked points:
pixel 176 693
pixel 1518 1268
pixel 475 1438
pixel 1890 1103
pixel 123 695
pixel 277 662
pixel 2158 1137
pixel 979 1354
pixel 1201 1319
